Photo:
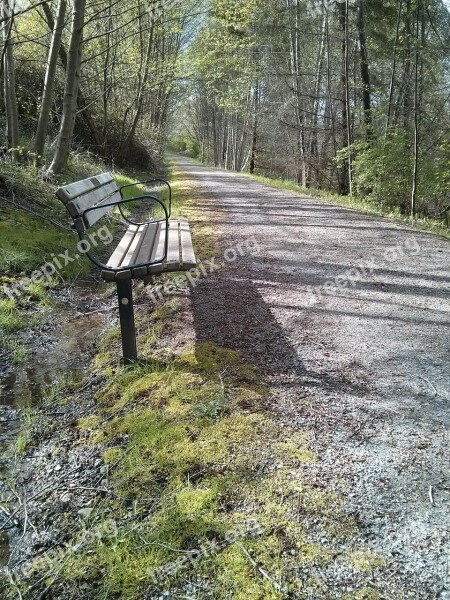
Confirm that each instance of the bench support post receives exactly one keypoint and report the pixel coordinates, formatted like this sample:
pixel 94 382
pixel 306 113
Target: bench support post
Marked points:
pixel 126 313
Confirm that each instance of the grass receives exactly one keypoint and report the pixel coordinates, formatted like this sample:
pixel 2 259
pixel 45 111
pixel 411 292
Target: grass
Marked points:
pixel 27 243
pixel 209 491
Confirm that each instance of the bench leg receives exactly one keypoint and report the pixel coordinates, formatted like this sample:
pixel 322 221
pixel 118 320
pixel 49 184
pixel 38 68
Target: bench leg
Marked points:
pixel 126 313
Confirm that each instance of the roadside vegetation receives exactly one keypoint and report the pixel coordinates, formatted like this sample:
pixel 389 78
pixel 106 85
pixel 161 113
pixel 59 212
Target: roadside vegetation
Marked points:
pixel 359 203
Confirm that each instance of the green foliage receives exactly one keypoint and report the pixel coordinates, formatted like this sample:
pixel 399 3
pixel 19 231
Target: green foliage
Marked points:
pixel 382 170
pixel 185 144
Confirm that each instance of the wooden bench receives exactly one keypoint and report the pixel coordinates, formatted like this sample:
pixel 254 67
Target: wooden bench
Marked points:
pixel 156 245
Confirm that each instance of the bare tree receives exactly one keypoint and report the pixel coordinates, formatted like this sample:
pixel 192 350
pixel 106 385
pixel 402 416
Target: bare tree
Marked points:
pixel 9 74
pixel 49 83
pixel 71 88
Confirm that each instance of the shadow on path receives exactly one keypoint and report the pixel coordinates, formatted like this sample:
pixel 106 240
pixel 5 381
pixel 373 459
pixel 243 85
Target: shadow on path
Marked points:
pixel 232 314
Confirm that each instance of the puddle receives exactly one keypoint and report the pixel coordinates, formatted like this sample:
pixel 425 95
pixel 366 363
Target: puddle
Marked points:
pixel 24 385
pixel 66 349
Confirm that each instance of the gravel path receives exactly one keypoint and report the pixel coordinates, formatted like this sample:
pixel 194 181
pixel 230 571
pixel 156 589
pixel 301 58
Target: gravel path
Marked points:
pixel 347 317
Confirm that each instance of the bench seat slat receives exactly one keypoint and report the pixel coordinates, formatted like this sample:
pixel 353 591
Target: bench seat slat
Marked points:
pixel 187 249
pixel 128 257
pixel 144 252
pixel 158 248
pixel 173 261
pixel 122 248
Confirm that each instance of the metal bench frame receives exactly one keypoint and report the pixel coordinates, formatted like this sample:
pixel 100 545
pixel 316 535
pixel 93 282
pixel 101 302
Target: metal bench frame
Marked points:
pixel 81 224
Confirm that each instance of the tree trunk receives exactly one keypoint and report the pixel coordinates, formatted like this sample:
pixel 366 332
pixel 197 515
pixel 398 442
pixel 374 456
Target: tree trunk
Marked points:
pixel 330 101
pixel 364 64
pixel 416 113
pixel 47 96
pixel 143 81
pixel 344 187
pixel 65 135
pixel 85 113
pixel 106 79
pixel 255 130
pixel 394 64
pixel 407 95
pixel 9 73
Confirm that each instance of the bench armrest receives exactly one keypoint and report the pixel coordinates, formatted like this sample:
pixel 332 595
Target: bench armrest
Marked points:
pixel 157 179
pixel 126 201
pixel 118 203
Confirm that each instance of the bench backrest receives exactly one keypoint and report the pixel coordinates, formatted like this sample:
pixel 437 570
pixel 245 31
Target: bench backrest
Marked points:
pixel 81 195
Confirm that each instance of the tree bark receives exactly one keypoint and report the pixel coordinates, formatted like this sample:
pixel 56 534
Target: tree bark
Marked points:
pixel 255 129
pixel 83 111
pixel 143 82
pixel 416 113
pixel 65 135
pixel 365 74
pixel 9 74
pixel 394 64
pixel 345 182
pixel 49 83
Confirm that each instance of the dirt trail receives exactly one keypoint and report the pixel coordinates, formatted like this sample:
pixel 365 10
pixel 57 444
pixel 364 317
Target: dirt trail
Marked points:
pixel 347 317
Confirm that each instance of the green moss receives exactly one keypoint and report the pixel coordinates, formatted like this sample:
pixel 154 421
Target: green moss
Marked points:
pixel 237 578
pixel 101 361
pixel 11 317
pixel 88 423
pixel 294 450
pixel 206 357
pixel 112 455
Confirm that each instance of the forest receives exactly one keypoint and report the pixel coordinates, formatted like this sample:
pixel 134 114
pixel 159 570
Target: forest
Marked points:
pixel 350 97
